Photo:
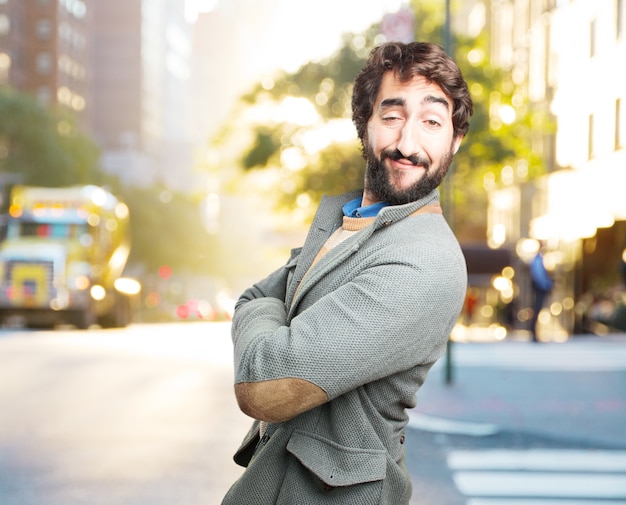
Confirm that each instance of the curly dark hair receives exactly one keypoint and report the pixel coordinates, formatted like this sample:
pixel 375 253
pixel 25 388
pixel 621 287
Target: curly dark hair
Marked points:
pixel 407 61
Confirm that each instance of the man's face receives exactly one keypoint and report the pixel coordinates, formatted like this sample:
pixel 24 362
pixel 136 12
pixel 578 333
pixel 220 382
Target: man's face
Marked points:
pixel 410 141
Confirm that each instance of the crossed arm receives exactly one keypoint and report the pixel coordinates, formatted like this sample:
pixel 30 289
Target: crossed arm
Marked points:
pixel 352 335
pixel 278 400
pixel 282 399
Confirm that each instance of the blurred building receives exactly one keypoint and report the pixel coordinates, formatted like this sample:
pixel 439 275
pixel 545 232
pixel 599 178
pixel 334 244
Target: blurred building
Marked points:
pixel 45 50
pixel 141 79
pixel 230 54
pixel 123 66
pixel 566 57
pixel 217 72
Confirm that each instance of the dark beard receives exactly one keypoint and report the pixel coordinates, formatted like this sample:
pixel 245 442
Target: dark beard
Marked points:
pixel 378 181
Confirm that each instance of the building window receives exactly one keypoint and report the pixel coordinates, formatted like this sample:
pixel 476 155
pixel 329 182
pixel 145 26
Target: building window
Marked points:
pixel 77 8
pixel 592 39
pixel 5 24
pixel 590 138
pixel 44 29
pixel 44 95
pixel 5 66
pixel 43 63
pixel 618 124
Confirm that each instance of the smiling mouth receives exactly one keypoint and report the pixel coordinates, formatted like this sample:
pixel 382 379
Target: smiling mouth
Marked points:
pixel 406 162
pixel 407 168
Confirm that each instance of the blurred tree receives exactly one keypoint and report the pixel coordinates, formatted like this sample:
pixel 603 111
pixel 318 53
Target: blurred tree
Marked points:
pixel 43 146
pixel 312 159
pixel 328 158
pixel 266 144
pixel 167 229
pixel 504 144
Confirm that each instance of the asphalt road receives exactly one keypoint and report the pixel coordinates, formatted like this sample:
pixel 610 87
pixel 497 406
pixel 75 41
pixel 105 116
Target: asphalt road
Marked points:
pixel 146 416
pixel 523 424
pixel 142 416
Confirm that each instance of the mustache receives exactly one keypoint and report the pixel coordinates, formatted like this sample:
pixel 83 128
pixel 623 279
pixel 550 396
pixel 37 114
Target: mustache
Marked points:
pixel 396 155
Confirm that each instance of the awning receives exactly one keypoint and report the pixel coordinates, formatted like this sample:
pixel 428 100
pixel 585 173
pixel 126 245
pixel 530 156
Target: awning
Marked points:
pixel 483 262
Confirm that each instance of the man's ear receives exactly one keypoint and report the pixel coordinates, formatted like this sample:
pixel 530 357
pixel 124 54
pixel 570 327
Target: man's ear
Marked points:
pixel 456 144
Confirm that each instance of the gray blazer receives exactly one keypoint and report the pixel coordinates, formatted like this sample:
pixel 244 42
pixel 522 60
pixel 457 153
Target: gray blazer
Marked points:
pixel 365 325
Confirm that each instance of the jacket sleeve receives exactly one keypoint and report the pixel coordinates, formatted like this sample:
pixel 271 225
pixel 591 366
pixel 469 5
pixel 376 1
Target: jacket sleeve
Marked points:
pixel 390 317
pixel 274 285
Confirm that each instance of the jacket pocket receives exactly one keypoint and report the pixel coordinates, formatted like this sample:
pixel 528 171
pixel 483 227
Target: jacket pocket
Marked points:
pixel 248 446
pixel 336 465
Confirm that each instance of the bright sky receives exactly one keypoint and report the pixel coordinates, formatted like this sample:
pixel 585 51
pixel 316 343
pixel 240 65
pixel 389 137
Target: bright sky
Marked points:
pixel 283 34
pixel 314 26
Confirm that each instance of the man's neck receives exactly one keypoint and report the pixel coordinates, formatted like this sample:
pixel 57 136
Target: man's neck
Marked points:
pixel 369 198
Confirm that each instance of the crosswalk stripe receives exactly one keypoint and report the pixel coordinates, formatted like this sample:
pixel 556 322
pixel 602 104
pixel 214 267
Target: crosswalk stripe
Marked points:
pixel 539 476
pixel 534 501
pixel 539 460
pixel 542 485
pixel 439 425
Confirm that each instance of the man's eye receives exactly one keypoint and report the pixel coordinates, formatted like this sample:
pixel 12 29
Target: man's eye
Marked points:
pixel 433 123
pixel 390 119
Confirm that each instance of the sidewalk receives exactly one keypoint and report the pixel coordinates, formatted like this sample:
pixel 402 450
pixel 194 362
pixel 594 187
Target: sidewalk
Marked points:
pixel 575 390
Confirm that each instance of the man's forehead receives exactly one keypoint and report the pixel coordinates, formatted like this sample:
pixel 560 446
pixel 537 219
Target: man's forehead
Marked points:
pixel 392 86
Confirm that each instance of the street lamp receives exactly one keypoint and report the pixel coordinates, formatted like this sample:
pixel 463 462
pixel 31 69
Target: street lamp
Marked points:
pixel 447 194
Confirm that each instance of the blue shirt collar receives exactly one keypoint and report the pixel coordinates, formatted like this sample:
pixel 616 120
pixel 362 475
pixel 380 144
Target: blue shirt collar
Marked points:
pixel 354 209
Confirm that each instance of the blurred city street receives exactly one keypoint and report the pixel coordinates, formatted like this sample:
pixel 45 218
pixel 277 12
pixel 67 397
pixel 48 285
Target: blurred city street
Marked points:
pixel 523 423
pixel 159 156
pixel 146 415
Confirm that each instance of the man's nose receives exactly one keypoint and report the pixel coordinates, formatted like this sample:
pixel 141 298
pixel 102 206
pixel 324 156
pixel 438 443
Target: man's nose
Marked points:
pixel 409 142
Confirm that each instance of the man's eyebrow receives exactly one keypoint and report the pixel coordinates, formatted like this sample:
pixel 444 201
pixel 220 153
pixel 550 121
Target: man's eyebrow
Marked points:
pixel 392 102
pixel 436 99
pixel 401 102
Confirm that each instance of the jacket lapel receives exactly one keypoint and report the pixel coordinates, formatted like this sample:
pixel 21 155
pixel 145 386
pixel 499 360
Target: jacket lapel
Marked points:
pixel 327 220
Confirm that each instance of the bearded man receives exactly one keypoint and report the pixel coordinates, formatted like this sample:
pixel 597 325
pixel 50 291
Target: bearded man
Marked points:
pixel 330 350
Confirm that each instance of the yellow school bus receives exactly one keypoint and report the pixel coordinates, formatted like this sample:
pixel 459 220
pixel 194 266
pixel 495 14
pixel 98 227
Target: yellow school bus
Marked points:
pixel 63 258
